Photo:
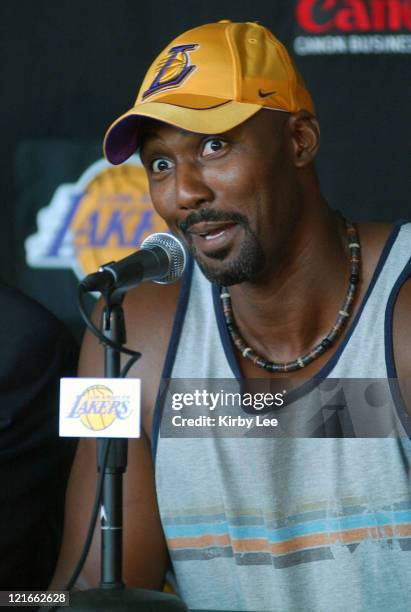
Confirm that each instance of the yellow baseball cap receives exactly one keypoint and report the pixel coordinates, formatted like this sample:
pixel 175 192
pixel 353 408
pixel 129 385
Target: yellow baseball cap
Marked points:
pixel 209 80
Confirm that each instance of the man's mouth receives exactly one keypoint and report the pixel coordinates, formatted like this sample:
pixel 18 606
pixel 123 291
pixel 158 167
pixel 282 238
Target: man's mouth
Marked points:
pixel 212 238
pixel 211 230
pixel 212 233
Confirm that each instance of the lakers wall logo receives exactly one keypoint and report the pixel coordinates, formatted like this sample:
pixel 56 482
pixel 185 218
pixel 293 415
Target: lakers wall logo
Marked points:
pixel 102 217
pixel 172 70
pixel 97 408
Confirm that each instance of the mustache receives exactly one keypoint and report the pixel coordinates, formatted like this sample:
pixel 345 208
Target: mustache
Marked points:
pixel 207 214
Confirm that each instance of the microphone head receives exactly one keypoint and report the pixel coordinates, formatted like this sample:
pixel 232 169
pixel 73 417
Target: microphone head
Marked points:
pixel 175 252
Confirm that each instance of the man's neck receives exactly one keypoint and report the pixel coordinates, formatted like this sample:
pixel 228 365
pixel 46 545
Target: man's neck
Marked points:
pixel 295 305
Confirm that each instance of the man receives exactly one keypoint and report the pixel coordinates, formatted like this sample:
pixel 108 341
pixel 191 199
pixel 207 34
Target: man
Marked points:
pixel 35 351
pixel 227 133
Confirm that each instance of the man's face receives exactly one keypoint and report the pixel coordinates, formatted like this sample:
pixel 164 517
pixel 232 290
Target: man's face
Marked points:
pixel 228 195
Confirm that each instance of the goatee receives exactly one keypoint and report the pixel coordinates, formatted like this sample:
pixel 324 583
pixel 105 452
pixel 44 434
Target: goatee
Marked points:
pixel 246 266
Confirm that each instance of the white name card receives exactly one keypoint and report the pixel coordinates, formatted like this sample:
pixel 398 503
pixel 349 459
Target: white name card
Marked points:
pixel 100 407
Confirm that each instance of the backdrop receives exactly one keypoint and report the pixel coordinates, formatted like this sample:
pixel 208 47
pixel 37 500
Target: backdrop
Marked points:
pixel 70 67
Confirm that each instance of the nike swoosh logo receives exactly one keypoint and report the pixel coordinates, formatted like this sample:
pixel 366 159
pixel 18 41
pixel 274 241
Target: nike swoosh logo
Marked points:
pixel 265 94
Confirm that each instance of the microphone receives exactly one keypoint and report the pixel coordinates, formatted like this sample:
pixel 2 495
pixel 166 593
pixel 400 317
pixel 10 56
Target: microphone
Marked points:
pixel 162 259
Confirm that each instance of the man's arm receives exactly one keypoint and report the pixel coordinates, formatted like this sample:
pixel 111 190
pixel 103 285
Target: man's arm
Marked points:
pixel 149 315
pixel 402 341
pixel 145 553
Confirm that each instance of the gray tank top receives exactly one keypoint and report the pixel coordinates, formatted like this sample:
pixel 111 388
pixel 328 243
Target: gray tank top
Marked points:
pixel 288 524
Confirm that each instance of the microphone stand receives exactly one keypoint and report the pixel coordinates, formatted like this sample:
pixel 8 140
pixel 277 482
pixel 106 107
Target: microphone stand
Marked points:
pixel 112 595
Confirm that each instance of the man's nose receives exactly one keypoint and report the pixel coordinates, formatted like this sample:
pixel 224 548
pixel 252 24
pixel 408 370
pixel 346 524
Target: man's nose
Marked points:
pixel 192 191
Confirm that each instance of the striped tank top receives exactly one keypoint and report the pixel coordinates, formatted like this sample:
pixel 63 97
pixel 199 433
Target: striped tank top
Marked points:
pixel 313 524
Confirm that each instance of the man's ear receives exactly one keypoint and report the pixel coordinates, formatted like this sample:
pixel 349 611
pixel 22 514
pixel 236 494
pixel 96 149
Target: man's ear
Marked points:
pixel 304 132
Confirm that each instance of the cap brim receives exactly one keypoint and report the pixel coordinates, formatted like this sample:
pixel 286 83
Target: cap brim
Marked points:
pixel 122 137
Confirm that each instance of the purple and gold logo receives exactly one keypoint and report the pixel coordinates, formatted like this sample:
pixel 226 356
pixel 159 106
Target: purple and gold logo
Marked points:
pixel 173 70
pixel 103 217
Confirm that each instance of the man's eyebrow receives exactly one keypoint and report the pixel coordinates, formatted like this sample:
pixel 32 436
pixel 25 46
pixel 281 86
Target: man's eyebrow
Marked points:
pixel 151 134
pixel 147 135
pixel 186 133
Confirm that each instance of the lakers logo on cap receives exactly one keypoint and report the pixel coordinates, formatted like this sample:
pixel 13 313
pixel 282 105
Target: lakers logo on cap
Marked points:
pixel 172 70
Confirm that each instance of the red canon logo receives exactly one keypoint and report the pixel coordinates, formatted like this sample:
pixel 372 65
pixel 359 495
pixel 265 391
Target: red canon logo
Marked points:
pixel 320 16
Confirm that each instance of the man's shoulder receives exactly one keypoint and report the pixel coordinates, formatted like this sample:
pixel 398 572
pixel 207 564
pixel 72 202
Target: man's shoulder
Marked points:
pixel 149 314
pixel 402 329
pixel 374 236
pixel 376 240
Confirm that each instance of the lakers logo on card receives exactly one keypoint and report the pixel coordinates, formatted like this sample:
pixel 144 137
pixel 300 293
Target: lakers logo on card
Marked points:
pixel 97 407
pixel 103 217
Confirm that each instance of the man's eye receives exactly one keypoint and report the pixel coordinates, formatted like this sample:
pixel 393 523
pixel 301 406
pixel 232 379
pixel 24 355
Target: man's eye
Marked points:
pixel 160 165
pixel 213 146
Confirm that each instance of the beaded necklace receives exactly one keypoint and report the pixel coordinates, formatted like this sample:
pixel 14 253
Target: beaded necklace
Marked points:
pixel 327 342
